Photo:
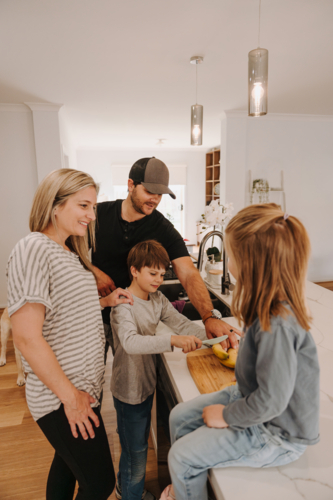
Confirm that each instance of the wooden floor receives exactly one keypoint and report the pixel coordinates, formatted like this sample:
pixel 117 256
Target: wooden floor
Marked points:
pixel 326 284
pixel 25 454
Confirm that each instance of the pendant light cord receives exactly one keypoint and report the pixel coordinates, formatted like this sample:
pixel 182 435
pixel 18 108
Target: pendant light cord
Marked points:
pixel 259 24
pixel 196 83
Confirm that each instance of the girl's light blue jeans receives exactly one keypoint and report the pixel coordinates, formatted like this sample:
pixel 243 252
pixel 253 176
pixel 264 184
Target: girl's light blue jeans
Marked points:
pixel 197 448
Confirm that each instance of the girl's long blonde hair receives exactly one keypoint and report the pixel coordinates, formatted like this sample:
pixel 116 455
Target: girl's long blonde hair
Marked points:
pixel 54 191
pixel 271 254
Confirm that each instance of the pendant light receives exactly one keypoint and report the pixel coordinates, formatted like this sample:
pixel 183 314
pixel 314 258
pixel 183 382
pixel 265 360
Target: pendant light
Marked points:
pixel 258 78
pixel 196 109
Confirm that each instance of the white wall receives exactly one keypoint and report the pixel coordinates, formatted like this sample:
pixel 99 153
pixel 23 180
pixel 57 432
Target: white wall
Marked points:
pixel 45 117
pixel 30 148
pixel 18 180
pixel 302 146
pixel 98 164
pixel 68 149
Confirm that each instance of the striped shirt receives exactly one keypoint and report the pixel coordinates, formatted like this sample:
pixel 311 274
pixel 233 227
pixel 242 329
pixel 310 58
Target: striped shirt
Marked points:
pixel 41 271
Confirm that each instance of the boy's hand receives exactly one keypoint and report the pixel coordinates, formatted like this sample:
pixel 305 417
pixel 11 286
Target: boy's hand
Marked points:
pixel 186 342
pixel 213 416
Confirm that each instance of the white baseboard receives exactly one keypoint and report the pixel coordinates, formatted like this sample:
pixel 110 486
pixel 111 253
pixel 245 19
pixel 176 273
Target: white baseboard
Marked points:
pixel 3 305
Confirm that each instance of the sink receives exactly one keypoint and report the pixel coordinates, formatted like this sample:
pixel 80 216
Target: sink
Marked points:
pixel 172 291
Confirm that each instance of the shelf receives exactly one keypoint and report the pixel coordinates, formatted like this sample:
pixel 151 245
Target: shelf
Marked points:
pixel 216 157
pixel 209 174
pixel 209 189
pixel 209 159
pixel 212 175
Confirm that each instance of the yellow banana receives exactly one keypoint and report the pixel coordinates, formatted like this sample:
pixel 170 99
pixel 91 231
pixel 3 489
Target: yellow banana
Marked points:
pixel 219 352
pixel 230 362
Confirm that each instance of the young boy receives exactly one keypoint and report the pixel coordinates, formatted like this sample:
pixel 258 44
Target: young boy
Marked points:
pixel 134 366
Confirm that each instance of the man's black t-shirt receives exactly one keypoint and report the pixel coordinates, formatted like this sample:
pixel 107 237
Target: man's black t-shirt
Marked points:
pixel 115 237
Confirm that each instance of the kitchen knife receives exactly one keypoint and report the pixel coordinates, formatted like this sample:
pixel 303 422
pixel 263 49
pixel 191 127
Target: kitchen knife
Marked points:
pixel 217 340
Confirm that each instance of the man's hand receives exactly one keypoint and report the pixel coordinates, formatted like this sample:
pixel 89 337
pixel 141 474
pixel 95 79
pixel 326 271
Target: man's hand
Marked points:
pixel 217 328
pixel 105 285
pixel 186 342
pixel 213 416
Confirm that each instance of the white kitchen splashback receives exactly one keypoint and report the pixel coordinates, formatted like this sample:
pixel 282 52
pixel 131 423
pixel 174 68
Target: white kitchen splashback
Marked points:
pixel 301 146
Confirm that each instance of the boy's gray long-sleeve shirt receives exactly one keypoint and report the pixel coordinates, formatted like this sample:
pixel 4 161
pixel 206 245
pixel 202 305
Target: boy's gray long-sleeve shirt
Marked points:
pixel 278 375
pixel 136 345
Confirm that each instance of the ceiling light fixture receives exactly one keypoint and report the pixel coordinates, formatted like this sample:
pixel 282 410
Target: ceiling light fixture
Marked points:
pixel 258 78
pixel 196 109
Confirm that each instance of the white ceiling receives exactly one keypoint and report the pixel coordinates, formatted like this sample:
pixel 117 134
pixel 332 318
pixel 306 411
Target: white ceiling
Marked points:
pixel 121 67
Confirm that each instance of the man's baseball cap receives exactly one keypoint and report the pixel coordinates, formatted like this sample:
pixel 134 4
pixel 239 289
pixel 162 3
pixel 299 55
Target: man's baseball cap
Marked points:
pixel 153 174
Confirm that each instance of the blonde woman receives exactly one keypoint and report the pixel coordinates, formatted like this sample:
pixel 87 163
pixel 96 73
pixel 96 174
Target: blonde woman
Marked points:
pixel 272 414
pixel 55 313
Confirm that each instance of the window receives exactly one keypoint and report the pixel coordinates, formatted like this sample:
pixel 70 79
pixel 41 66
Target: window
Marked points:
pixel 174 210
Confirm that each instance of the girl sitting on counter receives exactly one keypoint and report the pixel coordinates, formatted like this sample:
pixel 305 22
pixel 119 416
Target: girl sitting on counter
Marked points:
pixel 272 414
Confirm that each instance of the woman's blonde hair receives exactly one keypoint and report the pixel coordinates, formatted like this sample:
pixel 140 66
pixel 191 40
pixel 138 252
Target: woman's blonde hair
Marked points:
pixel 271 252
pixel 54 191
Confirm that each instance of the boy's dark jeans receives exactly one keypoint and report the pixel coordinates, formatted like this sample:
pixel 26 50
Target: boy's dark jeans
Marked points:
pixel 133 427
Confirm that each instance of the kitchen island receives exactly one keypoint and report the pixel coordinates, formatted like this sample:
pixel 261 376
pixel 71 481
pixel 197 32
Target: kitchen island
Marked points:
pixel 309 478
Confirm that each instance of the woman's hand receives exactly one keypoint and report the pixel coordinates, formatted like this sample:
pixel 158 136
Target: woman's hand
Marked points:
pixel 186 342
pixel 114 298
pixel 213 416
pixel 78 413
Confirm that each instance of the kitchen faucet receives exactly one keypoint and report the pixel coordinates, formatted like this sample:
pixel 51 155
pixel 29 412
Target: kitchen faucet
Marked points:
pixel 227 286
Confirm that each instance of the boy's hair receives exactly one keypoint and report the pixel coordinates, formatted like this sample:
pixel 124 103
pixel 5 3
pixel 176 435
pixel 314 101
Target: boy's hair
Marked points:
pixel 148 253
pixel 271 251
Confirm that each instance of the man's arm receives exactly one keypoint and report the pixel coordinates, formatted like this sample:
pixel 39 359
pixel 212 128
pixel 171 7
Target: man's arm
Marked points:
pixel 178 322
pixel 198 294
pixel 105 285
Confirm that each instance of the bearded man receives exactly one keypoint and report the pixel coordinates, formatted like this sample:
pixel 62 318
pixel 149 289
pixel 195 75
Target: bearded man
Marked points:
pixel 121 224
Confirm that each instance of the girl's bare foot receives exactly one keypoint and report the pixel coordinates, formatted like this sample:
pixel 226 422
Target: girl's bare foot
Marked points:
pixel 168 493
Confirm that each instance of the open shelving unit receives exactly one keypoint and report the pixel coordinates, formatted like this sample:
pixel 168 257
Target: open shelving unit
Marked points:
pixel 212 175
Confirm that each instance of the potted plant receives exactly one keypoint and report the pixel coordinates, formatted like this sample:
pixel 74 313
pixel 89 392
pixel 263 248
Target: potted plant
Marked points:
pixel 215 252
pixel 216 216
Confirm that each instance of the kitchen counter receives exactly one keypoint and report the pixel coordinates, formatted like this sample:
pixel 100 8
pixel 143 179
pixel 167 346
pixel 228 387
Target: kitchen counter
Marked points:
pixel 310 477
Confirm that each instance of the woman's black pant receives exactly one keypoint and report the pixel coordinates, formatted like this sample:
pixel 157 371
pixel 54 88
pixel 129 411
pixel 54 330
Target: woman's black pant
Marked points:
pixel 87 462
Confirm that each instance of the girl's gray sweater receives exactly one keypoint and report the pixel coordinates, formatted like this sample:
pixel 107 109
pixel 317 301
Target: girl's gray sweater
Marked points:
pixel 278 374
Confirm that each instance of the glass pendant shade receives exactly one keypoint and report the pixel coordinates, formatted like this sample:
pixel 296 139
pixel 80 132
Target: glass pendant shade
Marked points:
pixel 196 124
pixel 258 82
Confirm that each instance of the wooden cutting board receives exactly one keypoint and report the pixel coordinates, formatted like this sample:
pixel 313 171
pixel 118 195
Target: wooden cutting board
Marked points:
pixel 207 372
